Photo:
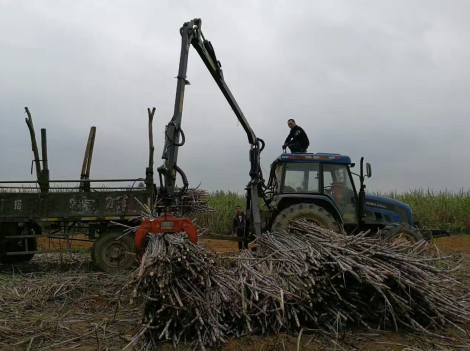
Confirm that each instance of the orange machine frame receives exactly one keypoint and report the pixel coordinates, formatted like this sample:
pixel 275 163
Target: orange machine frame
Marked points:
pixel 165 223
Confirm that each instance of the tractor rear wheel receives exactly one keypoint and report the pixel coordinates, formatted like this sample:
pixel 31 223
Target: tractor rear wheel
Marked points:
pixel 399 232
pixel 310 212
pixel 113 252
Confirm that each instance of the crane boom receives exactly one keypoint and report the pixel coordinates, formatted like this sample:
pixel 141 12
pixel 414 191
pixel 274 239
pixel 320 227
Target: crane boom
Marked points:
pixel 191 34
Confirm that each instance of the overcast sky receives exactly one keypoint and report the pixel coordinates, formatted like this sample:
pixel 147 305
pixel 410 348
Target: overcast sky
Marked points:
pixel 387 80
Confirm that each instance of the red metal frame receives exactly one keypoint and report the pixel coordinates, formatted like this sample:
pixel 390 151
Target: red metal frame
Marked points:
pixel 166 223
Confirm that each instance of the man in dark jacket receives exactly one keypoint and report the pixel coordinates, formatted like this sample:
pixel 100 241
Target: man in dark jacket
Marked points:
pixel 240 227
pixel 297 140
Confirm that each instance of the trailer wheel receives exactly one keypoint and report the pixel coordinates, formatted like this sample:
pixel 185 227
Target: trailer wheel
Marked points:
pixel 113 252
pixel 399 232
pixel 310 212
pixel 17 245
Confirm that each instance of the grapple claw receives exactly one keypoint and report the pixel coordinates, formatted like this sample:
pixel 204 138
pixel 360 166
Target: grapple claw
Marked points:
pixel 165 223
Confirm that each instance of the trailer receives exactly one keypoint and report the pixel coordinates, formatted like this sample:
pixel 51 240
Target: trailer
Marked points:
pixel 62 212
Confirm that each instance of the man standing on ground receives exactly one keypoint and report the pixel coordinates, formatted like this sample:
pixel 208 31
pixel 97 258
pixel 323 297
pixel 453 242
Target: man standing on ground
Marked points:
pixel 239 226
pixel 297 140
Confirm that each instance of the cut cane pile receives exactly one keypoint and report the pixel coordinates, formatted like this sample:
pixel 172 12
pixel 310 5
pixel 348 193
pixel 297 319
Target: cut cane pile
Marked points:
pixel 308 278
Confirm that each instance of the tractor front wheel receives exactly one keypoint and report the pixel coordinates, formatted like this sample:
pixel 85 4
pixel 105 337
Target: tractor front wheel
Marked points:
pixel 113 252
pixel 310 212
pixel 400 232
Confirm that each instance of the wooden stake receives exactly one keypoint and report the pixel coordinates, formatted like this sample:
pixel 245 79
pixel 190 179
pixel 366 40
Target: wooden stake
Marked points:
pixel 90 152
pixel 34 145
pixel 151 147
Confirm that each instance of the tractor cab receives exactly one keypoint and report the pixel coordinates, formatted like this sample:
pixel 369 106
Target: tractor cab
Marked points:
pixel 325 181
pixel 314 178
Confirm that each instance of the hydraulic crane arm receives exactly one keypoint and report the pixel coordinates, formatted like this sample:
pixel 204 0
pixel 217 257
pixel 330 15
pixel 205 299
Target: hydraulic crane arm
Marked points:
pixel 191 34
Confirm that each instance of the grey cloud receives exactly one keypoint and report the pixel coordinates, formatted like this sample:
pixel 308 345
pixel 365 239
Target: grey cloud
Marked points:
pixel 387 81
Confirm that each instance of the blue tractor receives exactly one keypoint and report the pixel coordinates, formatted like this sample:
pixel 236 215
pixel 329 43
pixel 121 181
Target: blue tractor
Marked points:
pixel 320 188
pixel 317 187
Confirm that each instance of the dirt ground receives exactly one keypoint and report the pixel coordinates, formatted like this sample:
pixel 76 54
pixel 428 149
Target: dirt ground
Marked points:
pixel 222 246
pixel 53 244
pixel 61 302
pixel 459 243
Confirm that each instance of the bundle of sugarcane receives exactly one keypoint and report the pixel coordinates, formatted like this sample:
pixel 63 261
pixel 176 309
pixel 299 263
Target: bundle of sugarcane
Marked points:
pixel 184 289
pixel 307 278
pixel 333 278
pixel 193 201
pixel 196 201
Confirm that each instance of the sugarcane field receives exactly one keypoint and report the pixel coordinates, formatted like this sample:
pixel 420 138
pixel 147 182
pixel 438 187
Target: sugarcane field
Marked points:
pixel 239 211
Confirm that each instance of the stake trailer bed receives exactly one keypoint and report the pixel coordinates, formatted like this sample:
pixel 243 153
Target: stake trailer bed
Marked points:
pixel 89 211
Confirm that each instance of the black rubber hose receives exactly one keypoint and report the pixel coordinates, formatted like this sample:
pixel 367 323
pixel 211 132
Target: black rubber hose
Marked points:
pixel 182 136
pixel 263 144
pixel 183 176
pixel 185 183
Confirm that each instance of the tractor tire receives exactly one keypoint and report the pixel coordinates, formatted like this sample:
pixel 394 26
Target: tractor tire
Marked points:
pixel 310 212
pixel 401 232
pixel 17 245
pixel 112 252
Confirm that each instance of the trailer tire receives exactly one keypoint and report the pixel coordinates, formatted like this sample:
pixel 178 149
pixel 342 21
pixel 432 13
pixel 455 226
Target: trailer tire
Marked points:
pixel 310 212
pixel 12 245
pixel 113 252
pixel 401 232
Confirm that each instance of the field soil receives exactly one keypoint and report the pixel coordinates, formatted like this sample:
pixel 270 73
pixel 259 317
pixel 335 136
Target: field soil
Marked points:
pixel 62 302
pixel 222 246
pixel 53 244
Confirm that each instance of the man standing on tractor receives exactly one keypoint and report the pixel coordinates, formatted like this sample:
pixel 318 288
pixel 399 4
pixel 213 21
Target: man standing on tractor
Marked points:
pixel 240 226
pixel 297 140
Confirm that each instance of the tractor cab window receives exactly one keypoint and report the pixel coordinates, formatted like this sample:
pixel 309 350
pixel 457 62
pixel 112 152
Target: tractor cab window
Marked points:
pixel 301 178
pixel 337 185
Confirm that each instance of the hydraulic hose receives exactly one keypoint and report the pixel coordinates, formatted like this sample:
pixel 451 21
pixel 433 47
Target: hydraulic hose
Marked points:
pixel 263 144
pixel 183 176
pixel 183 137
pixel 185 183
